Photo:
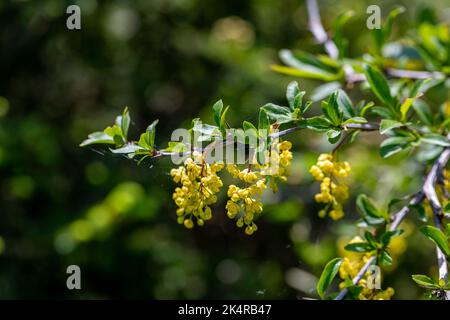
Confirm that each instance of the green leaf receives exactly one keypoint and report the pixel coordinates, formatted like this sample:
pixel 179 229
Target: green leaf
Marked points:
pixel 436 139
pixel 217 112
pixel 359 247
pixel 387 236
pixel 424 281
pixel 294 96
pixel 366 206
pixel 147 139
pixel 97 138
pixel 174 146
pixel 345 104
pixel 151 129
pixel 387 125
pixel 115 132
pixel 307 72
pixel 394 145
pixel 365 107
pixel 354 291
pixel 333 135
pixel 128 148
pixel 338 27
pixel 318 123
pixel 420 211
pixel 358 120
pixel 423 111
pixel 371 239
pixel 308 61
pixel 223 122
pixel 382 35
pixel 438 237
pixel 248 126
pixel 369 211
pixel 328 274
pixel 428 152
pixel 277 113
pixel 331 110
pixel 263 121
pixel 124 122
pixel 390 20
pixel 379 85
pixel 385 258
pixel 404 108
pixel 447 208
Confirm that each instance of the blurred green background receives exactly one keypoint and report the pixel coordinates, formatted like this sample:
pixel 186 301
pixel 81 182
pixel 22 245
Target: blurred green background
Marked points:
pixel 168 60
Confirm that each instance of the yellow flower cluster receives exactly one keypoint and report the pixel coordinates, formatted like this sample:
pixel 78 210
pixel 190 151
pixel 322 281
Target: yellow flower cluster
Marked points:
pixel 245 203
pixel 199 186
pixel 278 164
pixel 333 193
pixel 350 267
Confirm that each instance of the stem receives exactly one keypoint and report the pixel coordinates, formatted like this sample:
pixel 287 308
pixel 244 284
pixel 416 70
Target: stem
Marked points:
pixel 275 135
pixel 399 216
pixel 358 277
pixel 411 74
pixel 428 191
pixel 317 29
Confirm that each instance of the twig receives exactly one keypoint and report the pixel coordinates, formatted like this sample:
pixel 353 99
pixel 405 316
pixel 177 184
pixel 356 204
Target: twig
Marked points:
pixel 358 277
pixel 275 135
pixel 411 74
pixel 398 217
pixel 428 191
pixel 438 215
pixel 317 29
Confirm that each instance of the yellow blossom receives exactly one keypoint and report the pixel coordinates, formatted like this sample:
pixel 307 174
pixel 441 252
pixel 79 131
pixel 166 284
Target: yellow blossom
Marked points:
pixel 332 193
pixel 199 185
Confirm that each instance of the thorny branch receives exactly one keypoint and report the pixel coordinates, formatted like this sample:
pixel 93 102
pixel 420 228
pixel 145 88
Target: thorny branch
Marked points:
pixel 275 135
pixel 429 191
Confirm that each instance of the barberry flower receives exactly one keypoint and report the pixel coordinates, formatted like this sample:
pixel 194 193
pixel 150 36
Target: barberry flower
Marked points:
pixel 332 193
pixel 199 185
pixel 350 267
pixel 244 203
pixel 278 163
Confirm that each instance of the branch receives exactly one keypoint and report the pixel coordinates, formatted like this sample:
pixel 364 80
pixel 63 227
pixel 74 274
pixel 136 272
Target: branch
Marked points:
pixel 438 215
pixel 428 191
pixel 398 218
pixel 358 277
pixel 410 74
pixel 317 29
pixel 275 135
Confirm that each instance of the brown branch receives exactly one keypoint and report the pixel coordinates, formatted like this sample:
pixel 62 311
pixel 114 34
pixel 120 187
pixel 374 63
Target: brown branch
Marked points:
pixel 317 29
pixel 426 191
pixel 398 218
pixel 438 214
